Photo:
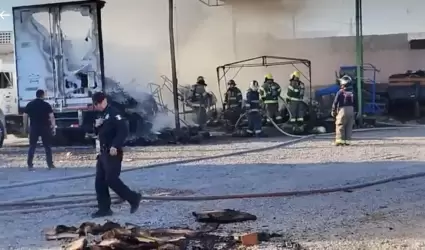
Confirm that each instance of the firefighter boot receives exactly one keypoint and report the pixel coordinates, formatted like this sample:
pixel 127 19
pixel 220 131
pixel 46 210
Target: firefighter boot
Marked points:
pixel 339 142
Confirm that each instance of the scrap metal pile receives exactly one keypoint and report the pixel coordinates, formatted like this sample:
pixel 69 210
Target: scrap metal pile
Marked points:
pixel 149 122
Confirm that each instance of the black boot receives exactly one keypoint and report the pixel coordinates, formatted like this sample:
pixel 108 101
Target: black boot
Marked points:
pixel 261 135
pixel 136 204
pixel 102 213
pixel 30 167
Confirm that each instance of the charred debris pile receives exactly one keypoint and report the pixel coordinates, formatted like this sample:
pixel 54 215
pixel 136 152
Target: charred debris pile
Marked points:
pixel 149 123
pixel 111 235
pixel 91 236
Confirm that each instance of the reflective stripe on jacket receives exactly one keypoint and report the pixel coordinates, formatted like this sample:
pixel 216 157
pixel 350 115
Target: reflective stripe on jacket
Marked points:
pixel 233 97
pixel 270 92
pixel 252 101
pixel 198 95
pixel 295 90
pixel 343 98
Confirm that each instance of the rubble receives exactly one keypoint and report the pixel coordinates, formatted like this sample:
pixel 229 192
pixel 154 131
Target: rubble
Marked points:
pixel 111 235
pixel 149 122
pixel 91 236
pixel 250 239
pixel 223 216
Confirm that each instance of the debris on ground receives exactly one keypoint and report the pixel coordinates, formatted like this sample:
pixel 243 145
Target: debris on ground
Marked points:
pixel 111 235
pixel 223 216
pixel 250 239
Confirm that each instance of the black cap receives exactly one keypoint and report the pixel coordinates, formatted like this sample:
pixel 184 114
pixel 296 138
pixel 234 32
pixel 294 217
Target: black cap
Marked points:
pixel 98 97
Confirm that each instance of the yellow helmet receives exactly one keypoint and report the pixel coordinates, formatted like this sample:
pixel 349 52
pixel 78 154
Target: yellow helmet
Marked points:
pixel 296 74
pixel 268 76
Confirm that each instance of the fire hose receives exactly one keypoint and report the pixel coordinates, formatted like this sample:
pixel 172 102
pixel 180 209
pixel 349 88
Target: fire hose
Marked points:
pixel 74 203
pixel 285 104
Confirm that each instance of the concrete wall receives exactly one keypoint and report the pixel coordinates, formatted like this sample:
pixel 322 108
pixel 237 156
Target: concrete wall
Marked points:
pixel 389 53
pixel 286 28
pixel 137 45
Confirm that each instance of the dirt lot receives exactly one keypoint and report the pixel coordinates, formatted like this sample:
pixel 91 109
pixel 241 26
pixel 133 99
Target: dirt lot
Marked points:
pixel 389 216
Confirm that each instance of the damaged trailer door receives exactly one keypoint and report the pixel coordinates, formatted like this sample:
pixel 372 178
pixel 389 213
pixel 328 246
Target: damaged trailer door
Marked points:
pixel 58 49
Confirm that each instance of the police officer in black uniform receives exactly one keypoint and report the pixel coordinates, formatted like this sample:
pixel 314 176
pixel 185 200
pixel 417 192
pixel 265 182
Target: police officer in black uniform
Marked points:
pixel 112 131
pixel 42 124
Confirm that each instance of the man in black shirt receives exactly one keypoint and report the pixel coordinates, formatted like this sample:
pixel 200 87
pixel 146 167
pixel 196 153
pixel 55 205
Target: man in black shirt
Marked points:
pixel 112 132
pixel 42 124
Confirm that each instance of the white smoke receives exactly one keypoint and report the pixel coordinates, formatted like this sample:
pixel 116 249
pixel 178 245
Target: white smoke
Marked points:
pixel 162 120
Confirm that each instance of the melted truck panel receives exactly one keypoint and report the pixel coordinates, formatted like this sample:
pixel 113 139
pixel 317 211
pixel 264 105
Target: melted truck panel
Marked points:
pixel 57 50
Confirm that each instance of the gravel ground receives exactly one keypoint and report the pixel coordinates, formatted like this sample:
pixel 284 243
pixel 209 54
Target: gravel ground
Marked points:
pixel 390 216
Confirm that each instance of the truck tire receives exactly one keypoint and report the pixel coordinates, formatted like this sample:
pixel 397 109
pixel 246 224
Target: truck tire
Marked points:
pixel 2 134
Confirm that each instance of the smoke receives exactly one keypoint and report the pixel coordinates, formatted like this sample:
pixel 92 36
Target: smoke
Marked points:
pixel 162 121
pixel 138 47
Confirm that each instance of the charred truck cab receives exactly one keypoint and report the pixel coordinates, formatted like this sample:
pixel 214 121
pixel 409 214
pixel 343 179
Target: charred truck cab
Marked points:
pixel 58 48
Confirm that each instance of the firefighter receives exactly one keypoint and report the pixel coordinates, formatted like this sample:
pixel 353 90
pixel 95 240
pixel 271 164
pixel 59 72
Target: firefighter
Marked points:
pixel 199 100
pixel 343 112
pixel 270 93
pixel 233 102
pixel 294 97
pixel 253 110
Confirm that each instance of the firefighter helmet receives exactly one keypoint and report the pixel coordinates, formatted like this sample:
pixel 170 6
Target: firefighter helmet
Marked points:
pixel 254 85
pixel 295 74
pixel 268 76
pixel 345 80
pixel 201 80
pixel 231 82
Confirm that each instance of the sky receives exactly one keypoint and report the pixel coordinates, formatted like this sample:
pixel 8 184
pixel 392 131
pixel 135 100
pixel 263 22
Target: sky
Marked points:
pixel 6 24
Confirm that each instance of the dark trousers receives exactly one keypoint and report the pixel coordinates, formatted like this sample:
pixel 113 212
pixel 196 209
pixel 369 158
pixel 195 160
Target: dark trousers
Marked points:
pixel 254 123
pixel 108 170
pixel 46 138
pixel 232 115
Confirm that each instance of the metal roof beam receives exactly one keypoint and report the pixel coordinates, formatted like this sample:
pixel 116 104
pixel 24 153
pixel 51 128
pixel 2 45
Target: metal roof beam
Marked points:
pixel 212 3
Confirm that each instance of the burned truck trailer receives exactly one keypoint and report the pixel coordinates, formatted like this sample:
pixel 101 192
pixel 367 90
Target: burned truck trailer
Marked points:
pixel 62 58
pixel 55 53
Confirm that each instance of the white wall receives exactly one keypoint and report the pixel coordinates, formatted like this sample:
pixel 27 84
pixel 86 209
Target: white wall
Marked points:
pixel 137 45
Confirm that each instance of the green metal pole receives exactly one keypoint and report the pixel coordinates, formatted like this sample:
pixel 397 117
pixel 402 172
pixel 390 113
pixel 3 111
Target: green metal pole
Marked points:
pixel 359 59
pixel 361 39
